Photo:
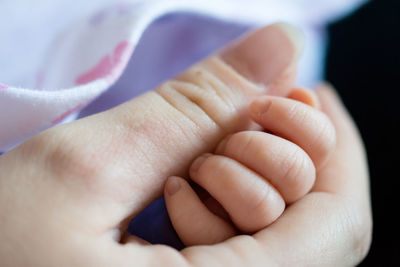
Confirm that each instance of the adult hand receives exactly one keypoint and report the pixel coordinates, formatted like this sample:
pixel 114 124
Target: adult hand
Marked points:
pixel 67 194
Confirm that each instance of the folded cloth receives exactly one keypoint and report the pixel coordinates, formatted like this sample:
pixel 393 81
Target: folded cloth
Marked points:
pixel 58 57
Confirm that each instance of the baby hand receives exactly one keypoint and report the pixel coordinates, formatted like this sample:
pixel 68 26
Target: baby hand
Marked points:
pixel 253 174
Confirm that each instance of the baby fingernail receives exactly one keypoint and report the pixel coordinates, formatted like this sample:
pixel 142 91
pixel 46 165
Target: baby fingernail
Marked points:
pixel 260 106
pixel 198 162
pixel 173 185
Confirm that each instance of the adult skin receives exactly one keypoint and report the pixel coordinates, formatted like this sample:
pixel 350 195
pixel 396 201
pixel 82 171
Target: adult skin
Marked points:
pixel 67 194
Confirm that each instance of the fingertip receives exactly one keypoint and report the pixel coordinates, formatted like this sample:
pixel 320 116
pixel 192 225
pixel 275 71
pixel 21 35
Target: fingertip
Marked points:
pixel 198 162
pixel 194 223
pixel 327 90
pixel 309 128
pixel 172 185
pixel 265 54
pixel 296 37
pixel 305 96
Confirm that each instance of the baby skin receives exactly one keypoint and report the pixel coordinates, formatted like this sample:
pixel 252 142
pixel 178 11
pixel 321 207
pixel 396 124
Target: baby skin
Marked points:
pixel 252 175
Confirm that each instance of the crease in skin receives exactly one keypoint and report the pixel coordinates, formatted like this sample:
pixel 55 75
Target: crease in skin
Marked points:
pixel 218 102
pixel 208 81
pixel 192 94
pixel 190 113
pixel 232 77
pixel 236 90
pixel 169 99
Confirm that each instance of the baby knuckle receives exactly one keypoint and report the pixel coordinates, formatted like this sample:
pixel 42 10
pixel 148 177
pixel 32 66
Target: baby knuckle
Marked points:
pixel 297 114
pixel 298 168
pixel 263 208
pixel 241 143
pixel 260 201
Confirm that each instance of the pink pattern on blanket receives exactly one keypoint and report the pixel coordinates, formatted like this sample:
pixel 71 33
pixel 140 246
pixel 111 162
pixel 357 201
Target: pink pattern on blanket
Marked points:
pixel 101 70
pixel 2 86
pixel 109 67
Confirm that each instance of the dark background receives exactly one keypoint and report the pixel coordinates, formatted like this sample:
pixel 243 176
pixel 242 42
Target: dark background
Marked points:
pixel 364 64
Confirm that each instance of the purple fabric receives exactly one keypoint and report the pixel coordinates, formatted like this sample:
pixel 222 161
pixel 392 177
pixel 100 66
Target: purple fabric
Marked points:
pixel 153 224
